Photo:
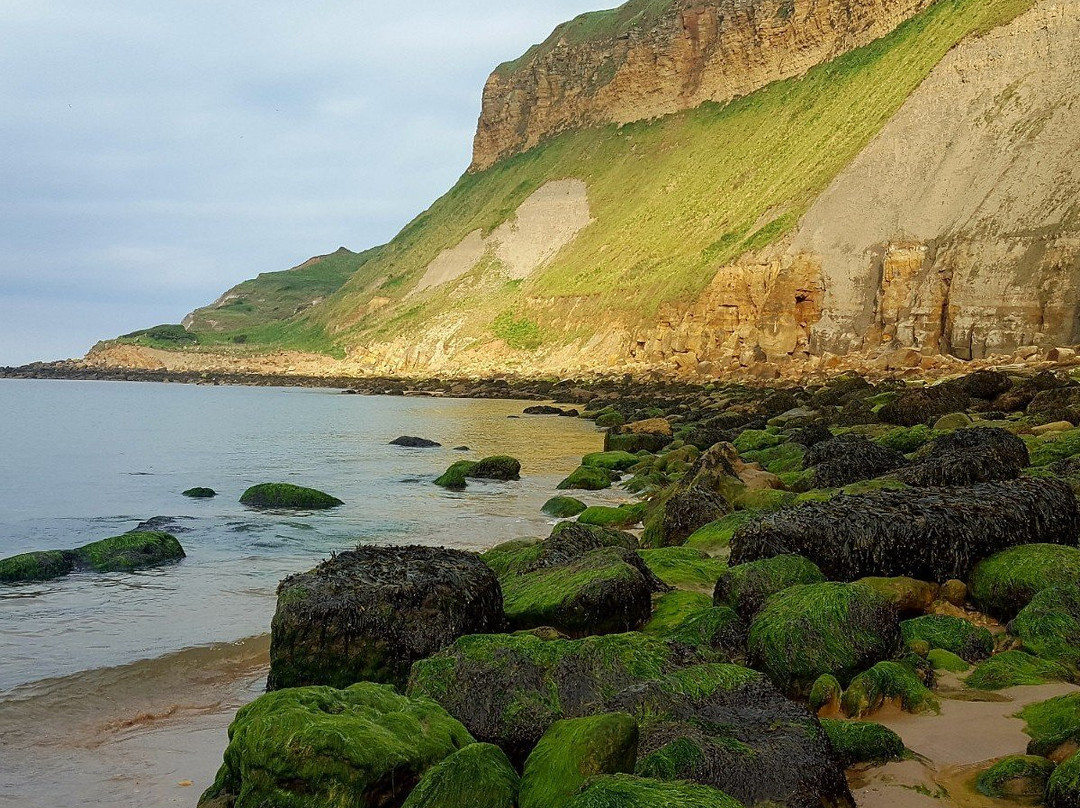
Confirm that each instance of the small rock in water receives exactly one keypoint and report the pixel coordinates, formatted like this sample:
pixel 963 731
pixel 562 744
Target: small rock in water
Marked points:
pixel 170 524
pixel 414 443
pixel 286 495
pixel 200 493
pixel 543 409
pixel 461 449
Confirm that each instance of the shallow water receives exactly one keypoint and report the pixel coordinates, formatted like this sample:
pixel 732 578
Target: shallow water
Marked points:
pixel 93 668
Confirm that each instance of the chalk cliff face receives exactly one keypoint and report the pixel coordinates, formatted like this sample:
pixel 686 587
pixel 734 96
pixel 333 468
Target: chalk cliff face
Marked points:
pixel 653 57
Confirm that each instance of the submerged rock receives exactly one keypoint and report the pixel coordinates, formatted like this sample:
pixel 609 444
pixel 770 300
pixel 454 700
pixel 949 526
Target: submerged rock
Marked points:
pixel 42 565
pixel 200 493
pixel 927 534
pixel 311 746
pixel 455 477
pixel 498 467
pixel 286 495
pixel 587 478
pixel 412 442
pixel 125 553
pixel 563 507
pixel 369 613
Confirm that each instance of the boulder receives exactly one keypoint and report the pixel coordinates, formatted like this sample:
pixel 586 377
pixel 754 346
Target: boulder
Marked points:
pixel 928 534
pixel 921 406
pixel 626 791
pixel 369 613
pixel 312 745
pixel 128 552
pixel 612 461
pixel 200 493
pixel 968 456
pixel 848 459
pixel 563 507
pixel 1016 776
pixel 887 682
pixel 970 642
pixel 1058 404
pixel 411 442
pixel 809 630
pixel 1049 626
pixel 42 565
pixel 984 384
pixel 746 587
pixel 498 467
pixel 574 750
pixel 863 742
pixel 713 633
pixel 542 409
pixel 684 567
pixel 907 595
pixel 623 516
pixel 286 495
pixel 569 541
pixel 1006 582
pixel 681 513
pixel 1015 668
pixel 478 775
pixel 1053 725
pixel 825 695
pixel 456 476
pixel 587 478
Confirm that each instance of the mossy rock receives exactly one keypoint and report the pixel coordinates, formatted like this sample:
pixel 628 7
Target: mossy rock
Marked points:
pixel 863 741
pixel 887 682
pixel 456 476
pixel 763 500
pixel 324 748
pixel 478 775
pixel 367 614
pixel 746 587
pixel 612 461
pixel 574 750
pixel 716 535
pixel 908 595
pixel 905 439
pixel 962 637
pixel 598 593
pixel 754 440
pixel 286 495
pixel 1006 582
pixel 1049 626
pixel 684 567
pixel 129 551
pixel 508 689
pixel 1013 668
pixel 808 630
pixel 785 458
pixel 942 660
pixel 1016 776
pixel 672 608
pixel 512 557
pixel 825 694
pixel 200 493
pixel 563 507
pixel 952 421
pixel 634 442
pixel 688 619
pixel 626 791
pixel 605 420
pixel 622 516
pixel 1063 787
pixel 496 467
pixel 681 512
pixel 43 565
pixel 1052 723
pixel 1055 447
pixel 586 478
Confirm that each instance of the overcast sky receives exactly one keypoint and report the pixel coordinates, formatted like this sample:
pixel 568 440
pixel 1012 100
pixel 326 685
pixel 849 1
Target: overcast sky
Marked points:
pixel 152 154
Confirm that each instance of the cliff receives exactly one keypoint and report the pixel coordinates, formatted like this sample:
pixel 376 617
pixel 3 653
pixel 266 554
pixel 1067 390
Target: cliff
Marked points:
pixel 650 58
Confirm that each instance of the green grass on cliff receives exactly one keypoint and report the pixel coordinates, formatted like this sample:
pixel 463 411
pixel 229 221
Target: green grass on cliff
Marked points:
pixel 673 200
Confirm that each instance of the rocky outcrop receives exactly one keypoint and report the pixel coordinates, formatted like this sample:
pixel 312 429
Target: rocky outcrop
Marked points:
pixel 646 59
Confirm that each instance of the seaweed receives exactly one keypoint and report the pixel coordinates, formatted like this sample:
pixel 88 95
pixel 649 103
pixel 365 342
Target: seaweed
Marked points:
pixel 1015 776
pixel 968 456
pixel 863 741
pixel 1006 582
pixel 887 681
pixel 746 587
pixel 478 775
pixel 849 458
pixel 286 495
pixel 1013 668
pixel 962 637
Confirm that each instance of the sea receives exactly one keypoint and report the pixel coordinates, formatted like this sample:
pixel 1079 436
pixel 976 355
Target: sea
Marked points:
pixel 116 689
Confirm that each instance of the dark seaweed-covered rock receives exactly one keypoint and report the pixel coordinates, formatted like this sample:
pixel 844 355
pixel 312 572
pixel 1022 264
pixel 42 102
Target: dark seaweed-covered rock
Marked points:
pixel 1058 404
pixel 848 459
pixel 841 389
pixel 630 439
pixel 928 534
pixel 130 551
pixel 286 495
pixel 411 442
pixel 863 741
pixel 625 791
pixel 984 384
pixel 1006 582
pixel 604 591
pixel 311 746
pixel 478 775
pixel 810 435
pixel 508 689
pixel 498 467
pixel 200 493
pixel 970 642
pixel 809 630
pixel 746 587
pixel 563 507
pixel 687 509
pixel 574 750
pixel 967 456
pixel 542 409
pixel 921 406
pixel 42 565
pixel 727 727
pixel 1049 626
pixel 569 541
pixel 369 613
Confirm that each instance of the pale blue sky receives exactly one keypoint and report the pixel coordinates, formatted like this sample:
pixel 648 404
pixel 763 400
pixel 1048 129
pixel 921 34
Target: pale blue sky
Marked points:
pixel 154 154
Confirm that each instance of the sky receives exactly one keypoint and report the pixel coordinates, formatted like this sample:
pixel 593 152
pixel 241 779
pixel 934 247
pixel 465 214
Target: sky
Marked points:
pixel 154 154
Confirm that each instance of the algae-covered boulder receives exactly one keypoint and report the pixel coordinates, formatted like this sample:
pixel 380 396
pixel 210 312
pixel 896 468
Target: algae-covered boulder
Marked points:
pixel 1006 582
pixel 200 493
pixel 1063 787
pixel 680 514
pixel 1014 668
pixel 746 587
pixel 1058 404
pixel 921 406
pixel 928 534
pixel 825 694
pixel 1049 626
pixel 961 637
pixel 569 541
pixel 511 557
pixel 908 595
pixel 478 775
pixel 604 591
pixel 456 476
pixel 626 791
pixel 129 551
pixel 727 727
pixel 942 660
pixel 886 682
pixel 586 478
pixel 622 516
pixel 367 614
pixel 715 536
pixel 508 689
pixel 1016 776
pixel 286 495
pixel 808 630
pixel 42 565
pixel 612 461
pixel 1053 725
pixel 849 458
pixel 968 456
pixel 563 507
pixel 497 467
pixel 863 741
pixel 326 748
pixel 684 567
pixel 689 619
pixel 574 750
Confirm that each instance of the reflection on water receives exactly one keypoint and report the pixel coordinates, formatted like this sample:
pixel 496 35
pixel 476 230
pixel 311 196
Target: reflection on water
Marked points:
pixel 95 459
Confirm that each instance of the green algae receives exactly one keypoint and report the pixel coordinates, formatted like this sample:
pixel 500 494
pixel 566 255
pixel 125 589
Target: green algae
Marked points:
pixel 962 637
pixel 1006 582
pixel 611 461
pixel 286 495
pixel 129 551
pixel 456 476
pixel 746 587
pixel 825 693
pixel 1052 723
pixel 672 609
pixel 478 775
pixel 1015 776
pixel 716 536
pixel 200 493
pixel 1049 626
pixel 863 741
pixel 586 478
pixel 622 516
pixel 43 565
pixel 625 791
pixel 684 567
pixel 563 507
pixel 887 681
pixel 1012 668
pixel 943 660
pixel 512 556
pixel 784 458
pixel 1063 787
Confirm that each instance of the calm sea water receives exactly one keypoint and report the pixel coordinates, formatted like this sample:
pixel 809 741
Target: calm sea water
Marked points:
pixel 88 662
